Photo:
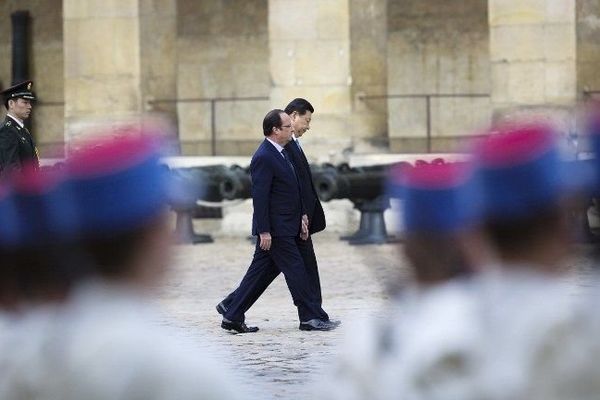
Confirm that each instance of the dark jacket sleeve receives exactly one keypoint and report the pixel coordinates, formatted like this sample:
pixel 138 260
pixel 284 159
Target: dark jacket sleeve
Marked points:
pixel 262 177
pixel 9 151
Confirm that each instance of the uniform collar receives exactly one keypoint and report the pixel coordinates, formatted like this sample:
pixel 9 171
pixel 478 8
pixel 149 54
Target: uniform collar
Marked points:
pixel 17 120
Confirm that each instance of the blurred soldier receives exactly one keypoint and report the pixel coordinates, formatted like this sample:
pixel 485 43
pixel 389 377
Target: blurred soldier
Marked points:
pixel 16 142
pixel 527 302
pixel 427 347
pixel 300 112
pixel 99 337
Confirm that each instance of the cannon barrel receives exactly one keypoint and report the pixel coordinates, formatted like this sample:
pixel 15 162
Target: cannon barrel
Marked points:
pixel 236 184
pixel 349 183
pixel 363 186
pixel 201 183
pixel 196 183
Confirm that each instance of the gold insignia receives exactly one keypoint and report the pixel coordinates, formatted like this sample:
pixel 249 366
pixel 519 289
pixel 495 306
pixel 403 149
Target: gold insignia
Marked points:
pixel 8 123
pixel 29 86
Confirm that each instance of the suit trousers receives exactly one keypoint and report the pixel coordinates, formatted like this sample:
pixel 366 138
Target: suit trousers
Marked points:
pixel 285 257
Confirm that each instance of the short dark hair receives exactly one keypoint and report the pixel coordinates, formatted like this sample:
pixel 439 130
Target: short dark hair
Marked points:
pixel 517 236
pixel 272 120
pixel 436 257
pixel 50 272
pixel 301 106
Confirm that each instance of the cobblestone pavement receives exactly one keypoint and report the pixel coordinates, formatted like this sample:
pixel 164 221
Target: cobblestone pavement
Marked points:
pixel 280 360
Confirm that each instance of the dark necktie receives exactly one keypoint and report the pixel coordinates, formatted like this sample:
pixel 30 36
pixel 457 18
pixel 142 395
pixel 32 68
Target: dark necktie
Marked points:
pixel 297 143
pixel 287 159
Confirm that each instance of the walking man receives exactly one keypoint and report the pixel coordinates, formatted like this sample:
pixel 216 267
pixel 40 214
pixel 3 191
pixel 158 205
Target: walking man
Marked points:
pixel 300 112
pixel 17 148
pixel 279 220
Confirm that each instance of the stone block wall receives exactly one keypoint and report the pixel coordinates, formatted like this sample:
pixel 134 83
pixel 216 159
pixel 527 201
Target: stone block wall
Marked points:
pixel 436 46
pixel 369 69
pixel 223 52
pixel 588 46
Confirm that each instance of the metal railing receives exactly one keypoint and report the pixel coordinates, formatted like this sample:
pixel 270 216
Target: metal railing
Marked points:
pixel 427 97
pixel 213 111
pixel 589 94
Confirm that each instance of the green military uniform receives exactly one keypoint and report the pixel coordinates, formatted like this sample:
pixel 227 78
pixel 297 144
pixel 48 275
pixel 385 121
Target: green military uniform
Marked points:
pixel 17 147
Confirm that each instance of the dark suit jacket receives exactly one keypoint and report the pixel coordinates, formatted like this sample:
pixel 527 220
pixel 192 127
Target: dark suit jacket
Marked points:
pixel 275 194
pixel 310 199
pixel 16 147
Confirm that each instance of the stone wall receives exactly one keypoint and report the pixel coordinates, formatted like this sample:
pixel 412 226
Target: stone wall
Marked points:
pixel 333 52
pixel 533 56
pixel 45 67
pixel 223 52
pixel 436 47
pixel 158 38
pixel 368 65
pixel 588 46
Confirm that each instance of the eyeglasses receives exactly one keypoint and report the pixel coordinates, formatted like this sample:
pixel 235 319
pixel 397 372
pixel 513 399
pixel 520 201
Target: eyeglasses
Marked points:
pixel 285 126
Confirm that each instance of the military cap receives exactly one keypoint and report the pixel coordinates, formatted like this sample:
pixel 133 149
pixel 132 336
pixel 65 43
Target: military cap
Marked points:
pixel 442 198
pixel 522 172
pixel 119 182
pixel 20 90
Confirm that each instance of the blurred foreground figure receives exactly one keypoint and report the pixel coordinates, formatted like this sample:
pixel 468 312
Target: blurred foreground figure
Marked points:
pixel 528 310
pixel 84 327
pixel 427 348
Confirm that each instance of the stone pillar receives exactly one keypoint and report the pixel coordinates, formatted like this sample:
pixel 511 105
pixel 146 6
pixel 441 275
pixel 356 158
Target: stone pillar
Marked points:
pixel 102 63
pixel 309 43
pixel 532 53
pixel 368 63
pixel 588 47
pixel 158 54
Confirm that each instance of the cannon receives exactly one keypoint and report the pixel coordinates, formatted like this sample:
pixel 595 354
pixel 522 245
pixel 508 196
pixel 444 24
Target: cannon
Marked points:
pixel 235 183
pixel 199 183
pixel 365 188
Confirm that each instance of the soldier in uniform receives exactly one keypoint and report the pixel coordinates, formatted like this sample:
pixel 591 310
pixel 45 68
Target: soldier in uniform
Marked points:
pixel 426 347
pixel 17 148
pixel 89 330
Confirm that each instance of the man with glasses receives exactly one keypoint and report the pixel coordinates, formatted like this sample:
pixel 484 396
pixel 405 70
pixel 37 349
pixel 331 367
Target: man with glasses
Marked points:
pixel 279 218
pixel 300 112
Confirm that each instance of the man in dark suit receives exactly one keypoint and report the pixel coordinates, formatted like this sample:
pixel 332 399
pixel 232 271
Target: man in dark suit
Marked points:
pixel 17 148
pixel 300 112
pixel 279 220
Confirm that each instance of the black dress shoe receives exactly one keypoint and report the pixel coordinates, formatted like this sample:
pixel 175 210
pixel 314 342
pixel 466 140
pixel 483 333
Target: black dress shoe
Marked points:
pixel 221 308
pixel 239 327
pixel 317 325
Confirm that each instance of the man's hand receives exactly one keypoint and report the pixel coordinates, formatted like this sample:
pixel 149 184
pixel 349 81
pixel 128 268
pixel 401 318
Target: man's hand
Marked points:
pixel 265 241
pixel 304 228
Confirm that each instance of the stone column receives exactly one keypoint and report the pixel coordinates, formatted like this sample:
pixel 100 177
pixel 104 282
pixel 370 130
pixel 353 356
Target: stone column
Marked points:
pixel 102 63
pixel 158 55
pixel 532 53
pixel 309 43
pixel 368 63
pixel 588 47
